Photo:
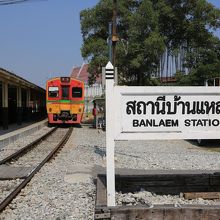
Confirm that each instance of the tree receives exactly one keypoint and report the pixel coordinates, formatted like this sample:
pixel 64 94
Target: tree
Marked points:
pixel 190 24
pixel 149 27
pixel 137 24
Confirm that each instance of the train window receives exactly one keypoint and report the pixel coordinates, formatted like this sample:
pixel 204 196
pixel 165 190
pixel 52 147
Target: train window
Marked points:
pixel 53 92
pixel 76 92
pixel 65 92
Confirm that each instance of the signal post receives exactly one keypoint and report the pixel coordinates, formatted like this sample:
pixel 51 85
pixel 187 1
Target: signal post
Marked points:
pixel 110 143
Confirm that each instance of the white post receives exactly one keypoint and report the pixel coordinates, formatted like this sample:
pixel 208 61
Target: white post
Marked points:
pixel 110 143
pixel 5 94
pixel 19 97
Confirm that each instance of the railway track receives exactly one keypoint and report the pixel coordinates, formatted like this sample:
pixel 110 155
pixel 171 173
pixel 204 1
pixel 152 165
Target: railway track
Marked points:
pixel 30 158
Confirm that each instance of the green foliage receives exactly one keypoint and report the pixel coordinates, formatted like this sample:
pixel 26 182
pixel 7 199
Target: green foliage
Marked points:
pixel 145 29
pixel 204 63
pixel 191 24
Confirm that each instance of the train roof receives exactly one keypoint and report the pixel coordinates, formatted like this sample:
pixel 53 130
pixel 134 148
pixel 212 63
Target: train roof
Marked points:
pixel 58 78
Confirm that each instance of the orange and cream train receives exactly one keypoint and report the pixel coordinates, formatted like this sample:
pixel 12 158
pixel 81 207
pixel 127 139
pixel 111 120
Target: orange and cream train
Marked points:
pixel 64 100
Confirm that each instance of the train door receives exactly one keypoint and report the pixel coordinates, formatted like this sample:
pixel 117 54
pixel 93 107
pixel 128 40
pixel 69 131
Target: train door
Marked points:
pixel 65 92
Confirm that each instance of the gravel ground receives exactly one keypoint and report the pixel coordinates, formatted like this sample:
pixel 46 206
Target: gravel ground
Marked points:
pixel 35 156
pixel 64 188
pixel 150 199
pixel 21 142
pixel 6 187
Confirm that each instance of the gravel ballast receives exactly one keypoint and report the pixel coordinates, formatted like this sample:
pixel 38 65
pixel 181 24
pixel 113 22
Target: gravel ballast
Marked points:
pixel 21 142
pixel 64 188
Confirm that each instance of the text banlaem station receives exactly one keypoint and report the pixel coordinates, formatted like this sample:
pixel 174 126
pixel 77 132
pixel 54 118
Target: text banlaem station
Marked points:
pixel 171 108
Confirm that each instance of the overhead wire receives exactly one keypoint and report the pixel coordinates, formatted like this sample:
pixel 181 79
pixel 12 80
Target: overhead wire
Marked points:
pixel 10 2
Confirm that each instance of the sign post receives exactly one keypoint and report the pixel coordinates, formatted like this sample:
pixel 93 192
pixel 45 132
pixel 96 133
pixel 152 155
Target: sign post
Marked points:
pixel 152 113
pixel 110 142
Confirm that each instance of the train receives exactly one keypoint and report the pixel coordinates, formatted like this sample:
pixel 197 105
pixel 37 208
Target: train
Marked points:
pixel 64 100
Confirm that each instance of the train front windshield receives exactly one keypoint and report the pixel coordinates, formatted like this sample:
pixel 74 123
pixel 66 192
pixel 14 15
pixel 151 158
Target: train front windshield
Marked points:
pixel 53 92
pixel 77 92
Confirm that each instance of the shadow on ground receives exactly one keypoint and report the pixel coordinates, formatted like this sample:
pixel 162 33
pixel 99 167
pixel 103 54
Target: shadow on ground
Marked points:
pixel 213 145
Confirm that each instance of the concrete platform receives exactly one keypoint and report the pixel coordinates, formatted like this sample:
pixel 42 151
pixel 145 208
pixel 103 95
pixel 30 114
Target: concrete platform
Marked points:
pixel 15 132
pixel 11 173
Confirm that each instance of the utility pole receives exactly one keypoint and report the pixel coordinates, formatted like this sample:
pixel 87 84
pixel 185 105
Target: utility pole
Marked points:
pixel 110 41
pixel 114 32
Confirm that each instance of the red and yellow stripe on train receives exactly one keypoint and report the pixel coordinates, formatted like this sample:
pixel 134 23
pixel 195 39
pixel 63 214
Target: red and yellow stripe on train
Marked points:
pixel 65 100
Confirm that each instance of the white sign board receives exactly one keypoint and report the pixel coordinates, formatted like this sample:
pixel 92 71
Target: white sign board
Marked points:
pixel 167 113
pixel 143 113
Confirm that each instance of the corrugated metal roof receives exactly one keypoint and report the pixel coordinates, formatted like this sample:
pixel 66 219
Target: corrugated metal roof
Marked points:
pixel 15 79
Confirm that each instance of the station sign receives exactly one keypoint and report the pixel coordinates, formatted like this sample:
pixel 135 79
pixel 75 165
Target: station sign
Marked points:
pixel 167 112
pixel 153 113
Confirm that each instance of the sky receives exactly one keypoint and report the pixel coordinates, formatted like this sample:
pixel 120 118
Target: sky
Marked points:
pixel 42 39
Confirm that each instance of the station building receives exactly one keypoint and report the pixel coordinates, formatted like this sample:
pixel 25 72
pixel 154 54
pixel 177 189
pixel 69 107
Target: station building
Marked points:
pixel 20 100
pixel 91 91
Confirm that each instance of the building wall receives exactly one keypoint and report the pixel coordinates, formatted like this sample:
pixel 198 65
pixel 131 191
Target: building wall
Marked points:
pixel 93 91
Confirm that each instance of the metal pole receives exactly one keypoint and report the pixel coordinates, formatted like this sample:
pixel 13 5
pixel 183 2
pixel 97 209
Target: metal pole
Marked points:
pixel 110 41
pixel 114 35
